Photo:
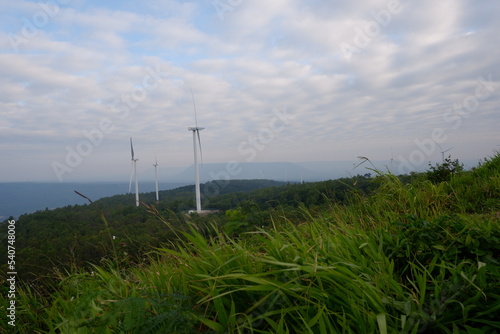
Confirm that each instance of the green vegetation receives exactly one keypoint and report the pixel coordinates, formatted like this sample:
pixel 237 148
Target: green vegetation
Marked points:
pixel 74 237
pixel 363 255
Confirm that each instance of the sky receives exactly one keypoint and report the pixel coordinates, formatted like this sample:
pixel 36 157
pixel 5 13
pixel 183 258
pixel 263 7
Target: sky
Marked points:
pixel 287 80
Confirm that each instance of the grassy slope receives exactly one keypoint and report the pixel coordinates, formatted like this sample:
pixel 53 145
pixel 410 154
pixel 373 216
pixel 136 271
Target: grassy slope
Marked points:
pixel 410 258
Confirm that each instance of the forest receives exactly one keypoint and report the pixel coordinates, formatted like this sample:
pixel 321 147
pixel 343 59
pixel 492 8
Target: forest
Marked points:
pixel 373 253
pixel 78 236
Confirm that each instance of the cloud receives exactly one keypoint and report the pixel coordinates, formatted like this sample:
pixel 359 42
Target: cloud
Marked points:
pixel 92 62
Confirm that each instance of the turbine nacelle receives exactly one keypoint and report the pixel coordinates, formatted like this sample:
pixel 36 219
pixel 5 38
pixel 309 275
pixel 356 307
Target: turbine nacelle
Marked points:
pixel 156 161
pixel 133 173
pixel 443 151
pixel 196 133
pixel 156 177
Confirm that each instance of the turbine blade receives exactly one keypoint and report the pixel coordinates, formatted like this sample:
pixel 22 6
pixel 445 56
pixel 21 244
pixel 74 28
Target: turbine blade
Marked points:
pixel 199 144
pixel 131 175
pixel 194 107
pixel 131 148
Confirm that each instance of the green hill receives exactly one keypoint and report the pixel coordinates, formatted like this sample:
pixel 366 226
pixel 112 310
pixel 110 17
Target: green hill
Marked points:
pixel 77 236
pixel 381 254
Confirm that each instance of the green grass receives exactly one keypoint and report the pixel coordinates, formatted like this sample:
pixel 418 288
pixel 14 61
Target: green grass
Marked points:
pixel 411 258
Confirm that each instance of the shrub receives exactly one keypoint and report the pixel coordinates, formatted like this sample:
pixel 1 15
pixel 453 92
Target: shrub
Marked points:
pixel 443 171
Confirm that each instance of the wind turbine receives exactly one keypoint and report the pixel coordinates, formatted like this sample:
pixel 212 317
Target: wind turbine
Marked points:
pixel 156 177
pixel 196 133
pixel 443 152
pixel 389 168
pixel 134 162
pixel 392 157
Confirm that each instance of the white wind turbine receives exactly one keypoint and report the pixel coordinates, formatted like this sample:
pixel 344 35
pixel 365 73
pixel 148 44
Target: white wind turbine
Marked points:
pixel 156 177
pixel 134 173
pixel 196 133
pixel 443 152
pixel 392 157
pixel 390 168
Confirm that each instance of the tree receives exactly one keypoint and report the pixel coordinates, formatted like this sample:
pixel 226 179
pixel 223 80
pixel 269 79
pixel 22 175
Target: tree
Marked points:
pixel 443 171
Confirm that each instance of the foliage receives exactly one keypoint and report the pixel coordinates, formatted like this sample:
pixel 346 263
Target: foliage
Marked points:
pixel 443 171
pixel 112 228
pixel 450 238
pixel 390 257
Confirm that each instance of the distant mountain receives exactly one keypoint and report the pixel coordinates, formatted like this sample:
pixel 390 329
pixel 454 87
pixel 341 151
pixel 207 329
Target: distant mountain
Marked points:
pixel 310 171
pixel 26 197
pixel 330 170
pixel 279 171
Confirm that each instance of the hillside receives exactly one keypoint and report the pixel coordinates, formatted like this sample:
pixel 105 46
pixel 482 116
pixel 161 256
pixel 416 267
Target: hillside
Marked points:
pixel 367 254
pixel 76 236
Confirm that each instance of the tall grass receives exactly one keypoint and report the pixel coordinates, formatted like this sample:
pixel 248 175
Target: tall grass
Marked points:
pixel 408 259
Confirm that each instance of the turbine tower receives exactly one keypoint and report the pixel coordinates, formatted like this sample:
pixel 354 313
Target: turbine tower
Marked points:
pixel 134 171
pixel 392 157
pixel 443 152
pixel 156 178
pixel 196 133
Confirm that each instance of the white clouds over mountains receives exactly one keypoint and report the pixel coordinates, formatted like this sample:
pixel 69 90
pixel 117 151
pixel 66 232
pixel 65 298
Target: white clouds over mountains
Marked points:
pixel 67 65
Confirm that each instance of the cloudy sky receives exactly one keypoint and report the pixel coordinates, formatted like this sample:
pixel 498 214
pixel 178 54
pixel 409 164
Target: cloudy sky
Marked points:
pixel 281 80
